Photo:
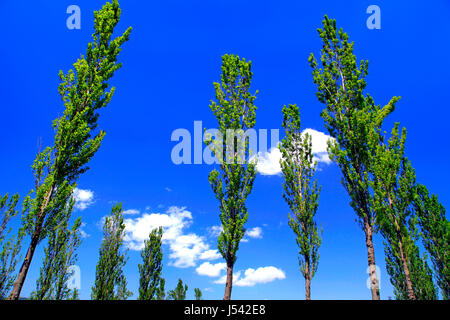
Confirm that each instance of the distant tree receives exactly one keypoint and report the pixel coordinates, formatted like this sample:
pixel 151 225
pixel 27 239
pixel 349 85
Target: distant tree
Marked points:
pixel 198 294
pixel 60 254
pixel 9 245
pixel 235 112
pixel 300 192
pixel 150 270
pixel 179 293
pixel 161 292
pixel 352 119
pixel 435 234
pixel 57 168
pixel 110 281
pixel 394 186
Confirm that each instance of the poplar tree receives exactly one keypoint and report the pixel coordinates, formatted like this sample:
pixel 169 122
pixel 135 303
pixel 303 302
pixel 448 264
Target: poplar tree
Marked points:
pixel 9 245
pixel 351 118
pixel 60 255
pixel 151 268
pixel 235 112
pixel 110 281
pixel 394 187
pixel 198 294
pixel 56 168
pixel 179 293
pixel 301 193
pixel 435 234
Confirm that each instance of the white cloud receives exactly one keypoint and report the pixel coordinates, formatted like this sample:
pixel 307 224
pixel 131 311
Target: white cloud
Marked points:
pixel 252 277
pixel 168 189
pixel 214 231
pixel 212 254
pixel 211 270
pixel 223 279
pixel 131 212
pixel 83 198
pixel 185 249
pixel 255 233
pixel 82 232
pixel 269 162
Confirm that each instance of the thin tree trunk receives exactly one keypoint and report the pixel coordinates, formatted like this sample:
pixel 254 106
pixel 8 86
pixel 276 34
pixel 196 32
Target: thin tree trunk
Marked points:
pixel 307 279
pixel 229 283
pixel 374 284
pixel 18 284
pixel 409 286
pixel 308 288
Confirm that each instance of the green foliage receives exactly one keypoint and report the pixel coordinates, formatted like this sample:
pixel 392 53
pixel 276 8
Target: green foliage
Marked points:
pixel 394 187
pixel 10 246
pixel 198 294
pixel 161 291
pixel 235 113
pixel 351 116
pixel 60 254
pixel 150 270
pixel 435 234
pixel 56 169
pixel 110 281
pixel 179 293
pixel 300 192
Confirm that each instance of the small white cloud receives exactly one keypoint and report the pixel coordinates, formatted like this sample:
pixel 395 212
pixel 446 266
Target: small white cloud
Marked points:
pixel 255 233
pixel 131 212
pixel 252 277
pixel 223 279
pixel 82 232
pixel 83 198
pixel 212 254
pixel 214 231
pixel 168 189
pixel 260 275
pixel 211 270
pixel 269 162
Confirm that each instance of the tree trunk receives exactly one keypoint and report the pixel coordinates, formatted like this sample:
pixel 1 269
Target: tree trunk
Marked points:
pixel 307 276
pixel 229 283
pixel 374 284
pixel 18 284
pixel 308 288
pixel 409 286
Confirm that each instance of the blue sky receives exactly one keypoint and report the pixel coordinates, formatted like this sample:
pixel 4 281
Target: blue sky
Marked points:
pixel 169 64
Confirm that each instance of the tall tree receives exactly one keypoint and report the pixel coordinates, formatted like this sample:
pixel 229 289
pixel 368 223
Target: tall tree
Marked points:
pixel 57 168
pixel 110 281
pixel 198 294
pixel 151 268
pixel 394 186
pixel 435 234
pixel 234 109
pixel 60 255
pixel 300 192
pixel 351 117
pixel 9 245
pixel 179 293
